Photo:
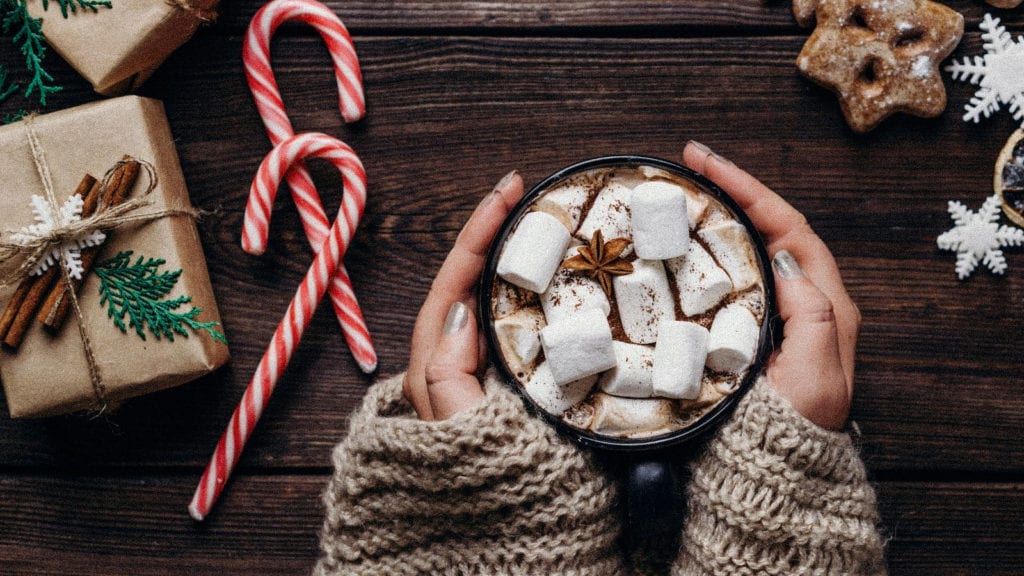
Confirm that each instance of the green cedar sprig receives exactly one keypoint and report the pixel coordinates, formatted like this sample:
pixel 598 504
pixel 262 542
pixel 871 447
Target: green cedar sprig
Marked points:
pixel 6 89
pixel 12 117
pixel 75 5
pixel 137 291
pixel 28 36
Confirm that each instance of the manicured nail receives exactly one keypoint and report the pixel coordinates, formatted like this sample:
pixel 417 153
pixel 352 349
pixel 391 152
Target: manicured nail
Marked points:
pixel 503 183
pixel 786 265
pixel 458 314
pixel 700 147
pixel 708 152
pixel 721 158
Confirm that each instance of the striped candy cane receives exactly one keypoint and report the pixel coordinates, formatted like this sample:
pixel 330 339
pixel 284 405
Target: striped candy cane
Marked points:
pixel 300 310
pixel 256 57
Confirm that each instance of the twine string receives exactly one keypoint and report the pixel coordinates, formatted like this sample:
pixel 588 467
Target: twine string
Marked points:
pixel 95 377
pixel 19 257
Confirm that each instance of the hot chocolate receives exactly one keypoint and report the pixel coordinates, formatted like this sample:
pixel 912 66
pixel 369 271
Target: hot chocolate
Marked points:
pixel 628 301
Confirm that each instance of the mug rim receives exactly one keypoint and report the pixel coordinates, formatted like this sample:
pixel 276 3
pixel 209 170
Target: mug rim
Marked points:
pixel 706 422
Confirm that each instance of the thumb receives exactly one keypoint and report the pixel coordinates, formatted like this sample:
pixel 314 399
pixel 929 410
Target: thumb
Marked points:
pixel 807 369
pixel 449 372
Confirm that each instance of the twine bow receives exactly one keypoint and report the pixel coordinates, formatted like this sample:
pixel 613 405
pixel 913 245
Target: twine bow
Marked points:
pixel 19 253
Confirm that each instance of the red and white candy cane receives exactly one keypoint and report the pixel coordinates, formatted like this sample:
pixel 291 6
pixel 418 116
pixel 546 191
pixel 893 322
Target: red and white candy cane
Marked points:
pixel 256 57
pixel 300 310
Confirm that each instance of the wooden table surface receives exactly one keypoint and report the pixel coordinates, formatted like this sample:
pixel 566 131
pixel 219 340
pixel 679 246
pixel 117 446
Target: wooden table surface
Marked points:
pixel 459 93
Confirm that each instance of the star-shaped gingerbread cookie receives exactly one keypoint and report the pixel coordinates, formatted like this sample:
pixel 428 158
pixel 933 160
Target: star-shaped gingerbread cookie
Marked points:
pixel 879 57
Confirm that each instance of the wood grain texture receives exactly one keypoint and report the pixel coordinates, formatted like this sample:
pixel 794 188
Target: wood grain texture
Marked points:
pixel 675 17
pixel 134 524
pixel 458 94
pixel 448 116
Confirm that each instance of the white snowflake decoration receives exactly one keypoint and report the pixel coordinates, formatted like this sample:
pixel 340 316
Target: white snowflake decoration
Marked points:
pixel 978 238
pixel 1000 73
pixel 48 220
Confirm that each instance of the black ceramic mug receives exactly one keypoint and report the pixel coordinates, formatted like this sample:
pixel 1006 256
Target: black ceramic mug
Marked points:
pixel 653 502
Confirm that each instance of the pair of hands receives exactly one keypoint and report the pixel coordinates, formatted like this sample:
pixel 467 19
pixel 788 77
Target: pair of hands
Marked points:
pixel 813 368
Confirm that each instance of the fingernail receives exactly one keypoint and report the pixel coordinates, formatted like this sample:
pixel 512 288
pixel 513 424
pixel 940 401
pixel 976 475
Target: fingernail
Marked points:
pixel 456 319
pixel 708 153
pixel 721 158
pixel 700 147
pixel 505 180
pixel 786 265
pixel 496 192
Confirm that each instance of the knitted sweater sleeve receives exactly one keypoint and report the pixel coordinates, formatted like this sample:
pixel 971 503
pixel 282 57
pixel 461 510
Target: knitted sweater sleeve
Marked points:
pixel 492 490
pixel 775 494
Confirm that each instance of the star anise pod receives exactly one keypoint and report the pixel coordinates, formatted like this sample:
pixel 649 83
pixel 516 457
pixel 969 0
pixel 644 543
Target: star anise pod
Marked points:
pixel 601 261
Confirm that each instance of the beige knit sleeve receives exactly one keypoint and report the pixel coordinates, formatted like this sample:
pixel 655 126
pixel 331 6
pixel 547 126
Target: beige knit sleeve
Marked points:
pixel 490 491
pixel 775 494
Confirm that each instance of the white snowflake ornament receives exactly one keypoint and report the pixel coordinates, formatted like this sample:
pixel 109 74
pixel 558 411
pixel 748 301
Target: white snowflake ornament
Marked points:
pixel 999 74
pixel 48 220
pixel 978 238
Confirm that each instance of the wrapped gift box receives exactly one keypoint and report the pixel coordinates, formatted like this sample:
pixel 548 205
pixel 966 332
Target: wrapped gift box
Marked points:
pixel 116 49
pixel 49 373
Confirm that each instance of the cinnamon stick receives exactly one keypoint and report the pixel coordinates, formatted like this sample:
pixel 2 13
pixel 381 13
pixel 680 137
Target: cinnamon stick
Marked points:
pixel 57 305
pixel 39 288
pixel 33 290
pixel 13 305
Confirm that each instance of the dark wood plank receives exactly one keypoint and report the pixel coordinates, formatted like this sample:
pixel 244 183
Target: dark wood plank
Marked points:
pixel 953 529
pixel 99 525
pixel 533 15
pixel 689 17
pixel 448 116
pixel 91 525
pixel 459 93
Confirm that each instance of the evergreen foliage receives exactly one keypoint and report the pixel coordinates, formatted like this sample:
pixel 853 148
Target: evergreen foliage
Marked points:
pixel 5 89
pixel 75 5
pixel 27 34
pixel 136 291
pixel 12 117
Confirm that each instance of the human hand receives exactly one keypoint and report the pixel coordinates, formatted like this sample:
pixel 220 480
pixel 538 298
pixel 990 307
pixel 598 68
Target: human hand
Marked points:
pixel 813 368
pixel 447 349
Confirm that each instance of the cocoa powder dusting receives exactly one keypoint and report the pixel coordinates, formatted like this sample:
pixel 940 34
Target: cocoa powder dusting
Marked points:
pixel 714 386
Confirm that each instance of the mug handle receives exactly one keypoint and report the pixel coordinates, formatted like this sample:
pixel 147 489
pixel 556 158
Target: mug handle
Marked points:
pixel 654 504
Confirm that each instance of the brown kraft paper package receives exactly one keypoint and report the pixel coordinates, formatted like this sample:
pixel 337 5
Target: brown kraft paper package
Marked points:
pixel 50 374
pixel 117 49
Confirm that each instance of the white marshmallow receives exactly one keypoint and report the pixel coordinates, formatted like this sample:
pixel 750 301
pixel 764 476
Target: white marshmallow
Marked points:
pixel 534 251
pixel 570 293
pixel 733 339
pixel 610 215
pixel 731 246
pixel 679 359
pixel 553 398
pixel 700 282
pixel 659 220
pixel 572 197
pixel 630 416
pixel 633 373
pixel 644 299
pixel 578 346
pixel 518 336
pixel 696 206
